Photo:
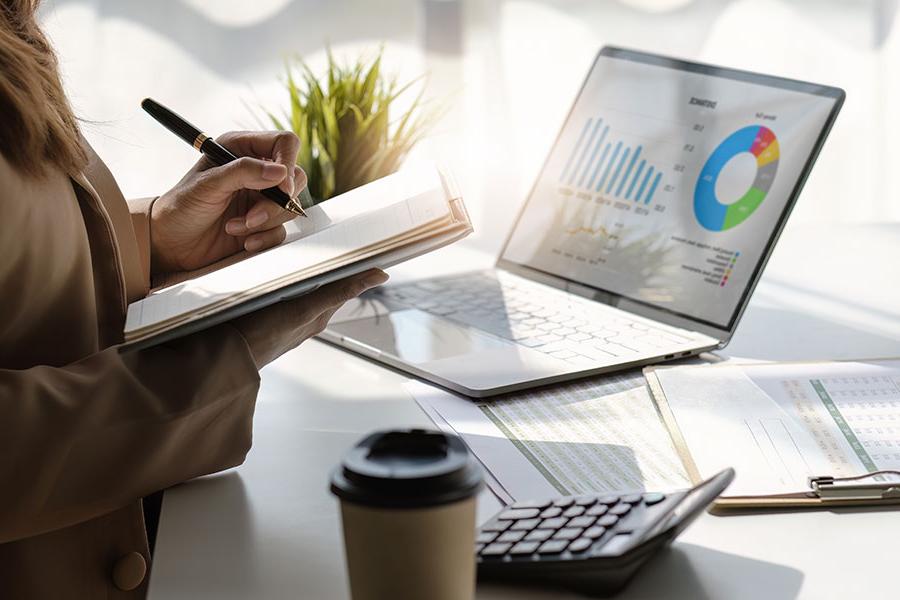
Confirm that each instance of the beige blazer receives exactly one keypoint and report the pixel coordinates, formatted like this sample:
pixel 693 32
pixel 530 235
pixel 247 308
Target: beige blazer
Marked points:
pixel 86 431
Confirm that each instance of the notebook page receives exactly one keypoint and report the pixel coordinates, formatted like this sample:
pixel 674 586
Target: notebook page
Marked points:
pixel 325 243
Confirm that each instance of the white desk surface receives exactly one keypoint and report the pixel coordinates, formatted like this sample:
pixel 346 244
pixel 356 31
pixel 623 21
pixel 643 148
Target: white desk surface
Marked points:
pixel 270 528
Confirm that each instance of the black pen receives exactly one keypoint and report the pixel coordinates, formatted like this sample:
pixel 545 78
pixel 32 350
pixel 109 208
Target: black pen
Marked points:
pixel 211 149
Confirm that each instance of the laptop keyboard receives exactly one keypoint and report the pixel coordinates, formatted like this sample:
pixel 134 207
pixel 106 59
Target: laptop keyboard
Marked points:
pixel 557 323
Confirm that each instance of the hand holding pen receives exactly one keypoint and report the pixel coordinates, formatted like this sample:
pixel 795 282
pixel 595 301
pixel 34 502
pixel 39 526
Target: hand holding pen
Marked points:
pixel 236 198
pixel 214 151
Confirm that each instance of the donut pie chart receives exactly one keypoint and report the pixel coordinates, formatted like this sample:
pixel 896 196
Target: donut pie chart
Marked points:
pixel 711 213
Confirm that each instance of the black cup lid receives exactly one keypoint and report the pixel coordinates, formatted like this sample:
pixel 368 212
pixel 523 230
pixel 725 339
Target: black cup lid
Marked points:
pixel 405 469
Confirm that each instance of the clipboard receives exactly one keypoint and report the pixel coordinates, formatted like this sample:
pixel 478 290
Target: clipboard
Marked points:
pixel 870 488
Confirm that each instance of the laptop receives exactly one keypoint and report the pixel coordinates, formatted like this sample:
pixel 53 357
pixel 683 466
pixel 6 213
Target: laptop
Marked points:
pixel 641 241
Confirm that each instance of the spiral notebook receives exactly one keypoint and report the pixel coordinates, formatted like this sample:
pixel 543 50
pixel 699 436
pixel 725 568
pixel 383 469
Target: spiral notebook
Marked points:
pixel 797 434
pixel 380 224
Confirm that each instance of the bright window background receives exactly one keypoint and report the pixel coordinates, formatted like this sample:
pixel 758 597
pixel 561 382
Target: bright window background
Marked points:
pixel 508 89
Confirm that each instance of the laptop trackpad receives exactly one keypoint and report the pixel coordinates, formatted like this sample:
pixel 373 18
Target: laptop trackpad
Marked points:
pixel 456 355
pixel 417 337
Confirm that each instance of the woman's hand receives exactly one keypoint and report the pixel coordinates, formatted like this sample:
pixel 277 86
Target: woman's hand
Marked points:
pixel 214 212
pixel 272 331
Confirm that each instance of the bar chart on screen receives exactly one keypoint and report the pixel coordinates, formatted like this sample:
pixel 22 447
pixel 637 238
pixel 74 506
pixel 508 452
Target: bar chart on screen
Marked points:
pixel 604 162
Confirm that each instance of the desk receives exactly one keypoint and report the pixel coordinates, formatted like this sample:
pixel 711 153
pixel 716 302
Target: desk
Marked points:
pixel 270 529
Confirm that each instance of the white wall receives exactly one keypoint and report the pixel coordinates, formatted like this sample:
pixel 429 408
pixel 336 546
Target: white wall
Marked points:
pixel 508 92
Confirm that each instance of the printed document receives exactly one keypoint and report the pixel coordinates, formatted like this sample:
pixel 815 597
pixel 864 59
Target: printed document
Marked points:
pixel 779 424
pixel 596 435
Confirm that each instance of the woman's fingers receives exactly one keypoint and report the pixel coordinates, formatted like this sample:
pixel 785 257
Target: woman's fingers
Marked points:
pixel 281 147
pixel 264 240
pixel 263 215
pixel 243 173
pixel 333 295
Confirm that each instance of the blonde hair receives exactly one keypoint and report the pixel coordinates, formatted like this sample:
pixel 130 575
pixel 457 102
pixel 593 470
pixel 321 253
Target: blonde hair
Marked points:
pixel 37 128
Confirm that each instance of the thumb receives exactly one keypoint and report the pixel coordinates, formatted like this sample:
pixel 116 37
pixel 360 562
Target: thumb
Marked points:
pixel 243 173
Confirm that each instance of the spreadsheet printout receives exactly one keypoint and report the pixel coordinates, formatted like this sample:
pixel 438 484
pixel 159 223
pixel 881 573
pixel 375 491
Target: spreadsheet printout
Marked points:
pixel 596 435
pixel 779 424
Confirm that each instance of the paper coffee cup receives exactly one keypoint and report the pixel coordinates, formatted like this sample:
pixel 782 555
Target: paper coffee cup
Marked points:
pixel 408 514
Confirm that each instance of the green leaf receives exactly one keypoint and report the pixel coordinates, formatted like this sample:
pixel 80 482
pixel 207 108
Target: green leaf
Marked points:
pixel 342 119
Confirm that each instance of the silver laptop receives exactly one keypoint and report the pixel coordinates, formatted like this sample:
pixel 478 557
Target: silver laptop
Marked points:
pixel 641 241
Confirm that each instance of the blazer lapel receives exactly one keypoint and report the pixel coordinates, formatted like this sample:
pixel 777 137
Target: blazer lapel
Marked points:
pixel 109 283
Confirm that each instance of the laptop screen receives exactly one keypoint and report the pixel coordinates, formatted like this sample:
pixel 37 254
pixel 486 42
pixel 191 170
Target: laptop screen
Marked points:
pixel 670 181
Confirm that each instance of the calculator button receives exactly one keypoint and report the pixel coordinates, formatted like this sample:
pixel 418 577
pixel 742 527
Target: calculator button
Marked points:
pixel 609 500
pixel 539 535
pixel 620 509
pixel 607 520
pixel 510 536
pixel 597 511
pixel 525 524
pixel 555 523
pixel 495 549
pixel 581 522
pixel 586 501
pixel 486 537
pixel 520 513
pixel 553 546
pixel 653 498
pixel 524 548
pixel 568 533
pixel 497 526
pixel 580 545
pixel 574 511
pixel 553 511
pixel 564 502
pixel 538 504
pixel 616 545
pixel 595 532
pixel 632 499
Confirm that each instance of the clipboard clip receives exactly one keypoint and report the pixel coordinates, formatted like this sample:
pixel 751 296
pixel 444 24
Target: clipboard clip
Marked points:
pixel 859 487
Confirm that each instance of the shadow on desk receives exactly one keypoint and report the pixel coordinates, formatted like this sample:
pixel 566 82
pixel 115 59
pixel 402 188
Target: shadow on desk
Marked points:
pixel 688 571
pixel 227 542
pixel 777 334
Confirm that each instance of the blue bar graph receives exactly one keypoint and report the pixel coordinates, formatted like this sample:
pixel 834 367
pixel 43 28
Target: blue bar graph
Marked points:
pixel 585 151
pixel 574 152
pixel 612 181
pixel 623 170
pixel 628 171
pixel 609 165
pixel 635 180
pixel 587 167
pixel 599 164
pixel 653 188
pixel 643 185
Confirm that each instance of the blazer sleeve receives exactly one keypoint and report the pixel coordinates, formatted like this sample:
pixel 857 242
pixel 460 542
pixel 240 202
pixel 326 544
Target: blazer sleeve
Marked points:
pixel 140 220
pixel 85 439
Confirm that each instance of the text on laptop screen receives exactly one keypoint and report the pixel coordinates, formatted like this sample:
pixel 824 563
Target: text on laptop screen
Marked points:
pixel 665 185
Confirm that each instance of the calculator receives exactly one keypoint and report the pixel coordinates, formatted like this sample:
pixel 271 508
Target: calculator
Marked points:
pixel 592 544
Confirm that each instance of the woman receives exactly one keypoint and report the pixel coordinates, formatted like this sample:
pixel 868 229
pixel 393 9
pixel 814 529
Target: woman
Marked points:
pixel 87 430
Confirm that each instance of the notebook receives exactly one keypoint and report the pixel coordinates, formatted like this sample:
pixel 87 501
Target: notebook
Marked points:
pixel 380 224
pixel 797 434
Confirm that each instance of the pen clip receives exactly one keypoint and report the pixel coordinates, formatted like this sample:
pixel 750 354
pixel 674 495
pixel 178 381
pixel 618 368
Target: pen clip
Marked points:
pixel 854 488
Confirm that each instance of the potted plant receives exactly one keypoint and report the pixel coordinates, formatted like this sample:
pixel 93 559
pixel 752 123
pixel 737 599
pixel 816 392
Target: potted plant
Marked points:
pixel 347 135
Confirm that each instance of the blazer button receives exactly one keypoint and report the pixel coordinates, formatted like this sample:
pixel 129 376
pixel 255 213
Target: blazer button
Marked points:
pixel 129 571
